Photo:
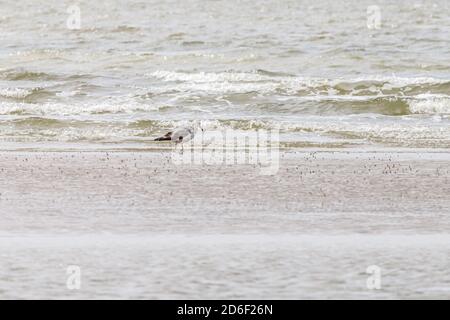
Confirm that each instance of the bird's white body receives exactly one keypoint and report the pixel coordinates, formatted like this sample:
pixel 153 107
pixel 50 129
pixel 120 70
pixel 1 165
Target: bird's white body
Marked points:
pixel 181 135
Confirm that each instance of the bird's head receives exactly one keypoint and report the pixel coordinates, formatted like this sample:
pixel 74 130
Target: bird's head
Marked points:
pixel 197 124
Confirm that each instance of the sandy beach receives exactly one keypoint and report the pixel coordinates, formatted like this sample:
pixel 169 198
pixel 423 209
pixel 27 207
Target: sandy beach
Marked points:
pixel 140 226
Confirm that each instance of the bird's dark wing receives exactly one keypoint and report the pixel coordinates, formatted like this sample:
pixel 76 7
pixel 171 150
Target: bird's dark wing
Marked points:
pixel 166 137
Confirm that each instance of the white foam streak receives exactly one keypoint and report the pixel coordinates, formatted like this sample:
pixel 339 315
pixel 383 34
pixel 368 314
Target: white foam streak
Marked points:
pixel 430 104
pixel 15 93
pixel 61 109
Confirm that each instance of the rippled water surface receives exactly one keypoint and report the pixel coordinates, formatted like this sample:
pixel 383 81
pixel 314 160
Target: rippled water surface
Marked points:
pixel 312 68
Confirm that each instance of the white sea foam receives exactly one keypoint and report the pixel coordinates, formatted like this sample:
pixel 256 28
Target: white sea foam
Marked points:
pixel 48 109
pixel 430 104
pixel 15 93
pixel 400 131
pixel 241 82
pixel 208 77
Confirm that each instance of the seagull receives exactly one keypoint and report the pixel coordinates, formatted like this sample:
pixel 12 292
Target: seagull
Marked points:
pixel 181 135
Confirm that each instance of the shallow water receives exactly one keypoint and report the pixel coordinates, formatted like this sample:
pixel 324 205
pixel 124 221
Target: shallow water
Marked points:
pixel 312 68
pixel 227 267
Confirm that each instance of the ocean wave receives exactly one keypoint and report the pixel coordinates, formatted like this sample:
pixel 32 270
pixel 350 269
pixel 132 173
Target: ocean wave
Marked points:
pixel 258 76
pixel 63 109
pixel 36 129
pixel 295 106
pixel 389 95
pixel 208 77
pixel 282 87
pixel 27 95
pixel 22 74
pixel 377 130
pixel 393 105
pixel 372 129
pixel 258 93
pixel 16 93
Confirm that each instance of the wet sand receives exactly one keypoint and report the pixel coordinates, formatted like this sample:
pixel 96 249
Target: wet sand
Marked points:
pixel 140 226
